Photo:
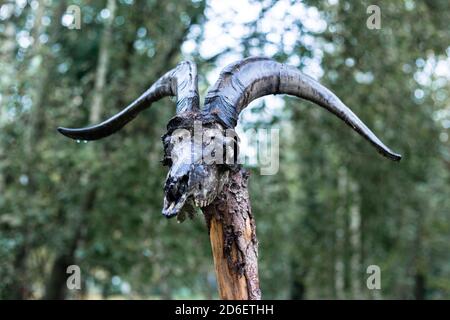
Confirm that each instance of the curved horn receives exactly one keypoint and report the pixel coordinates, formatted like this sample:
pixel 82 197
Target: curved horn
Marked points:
pixel 180 81
pixel 254 77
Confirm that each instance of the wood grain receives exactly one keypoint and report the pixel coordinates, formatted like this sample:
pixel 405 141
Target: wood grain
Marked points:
pixel 233 241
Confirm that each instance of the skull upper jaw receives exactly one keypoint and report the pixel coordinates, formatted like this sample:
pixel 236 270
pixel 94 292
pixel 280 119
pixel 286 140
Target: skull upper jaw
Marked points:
pixel 202 188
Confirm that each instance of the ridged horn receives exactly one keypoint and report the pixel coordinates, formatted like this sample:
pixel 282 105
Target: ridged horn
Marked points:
pixel 180 82
pixel 246 80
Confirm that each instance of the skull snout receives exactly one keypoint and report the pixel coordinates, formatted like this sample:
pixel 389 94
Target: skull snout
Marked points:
pixel 176 186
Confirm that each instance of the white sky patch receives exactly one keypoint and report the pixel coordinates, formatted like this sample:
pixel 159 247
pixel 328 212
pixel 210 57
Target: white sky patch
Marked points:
pixel 6 11
pixel 435 73
pixel 431 68
pixel 227 24
pixel 24 39
pixel 443 68
pixel 67 19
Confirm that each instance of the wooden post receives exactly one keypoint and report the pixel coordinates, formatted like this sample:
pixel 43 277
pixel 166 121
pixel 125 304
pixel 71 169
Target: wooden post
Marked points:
pixel 233 240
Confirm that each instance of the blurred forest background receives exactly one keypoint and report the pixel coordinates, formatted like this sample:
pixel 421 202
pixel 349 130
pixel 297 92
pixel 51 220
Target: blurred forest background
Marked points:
pixel 334 208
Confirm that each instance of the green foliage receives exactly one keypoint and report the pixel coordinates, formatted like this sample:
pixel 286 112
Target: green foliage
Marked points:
pixel 334 208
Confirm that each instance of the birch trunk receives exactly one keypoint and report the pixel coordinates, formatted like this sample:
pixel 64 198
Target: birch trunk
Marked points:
pixel 339 264
pixel 355 242
pixel 7 47
pixel 103 64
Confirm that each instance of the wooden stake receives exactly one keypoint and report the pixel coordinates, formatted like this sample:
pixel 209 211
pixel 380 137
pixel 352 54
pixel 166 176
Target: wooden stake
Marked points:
pixel 233 241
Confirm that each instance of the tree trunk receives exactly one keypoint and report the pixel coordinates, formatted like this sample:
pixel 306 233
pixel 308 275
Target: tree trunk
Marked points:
pixel 21 284
pixel 419 286
pixel 355 243
pixel 102 65
pixel 420 279
pixel 233 240
pixel 340 236
pixel 56 286
pixel 298 286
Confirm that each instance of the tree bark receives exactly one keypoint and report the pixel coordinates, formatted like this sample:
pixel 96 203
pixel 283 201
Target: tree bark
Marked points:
pixel 233 240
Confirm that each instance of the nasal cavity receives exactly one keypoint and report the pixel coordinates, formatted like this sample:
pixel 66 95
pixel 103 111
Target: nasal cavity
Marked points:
pixel 176 187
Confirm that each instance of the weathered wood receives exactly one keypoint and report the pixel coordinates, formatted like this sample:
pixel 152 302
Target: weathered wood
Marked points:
pixel 233 240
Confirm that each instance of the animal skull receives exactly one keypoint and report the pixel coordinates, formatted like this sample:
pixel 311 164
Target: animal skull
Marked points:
pixel 199 160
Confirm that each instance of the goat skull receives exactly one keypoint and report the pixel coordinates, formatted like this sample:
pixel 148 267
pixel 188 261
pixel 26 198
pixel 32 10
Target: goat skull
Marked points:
pixel 199 155
pixel 196 180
